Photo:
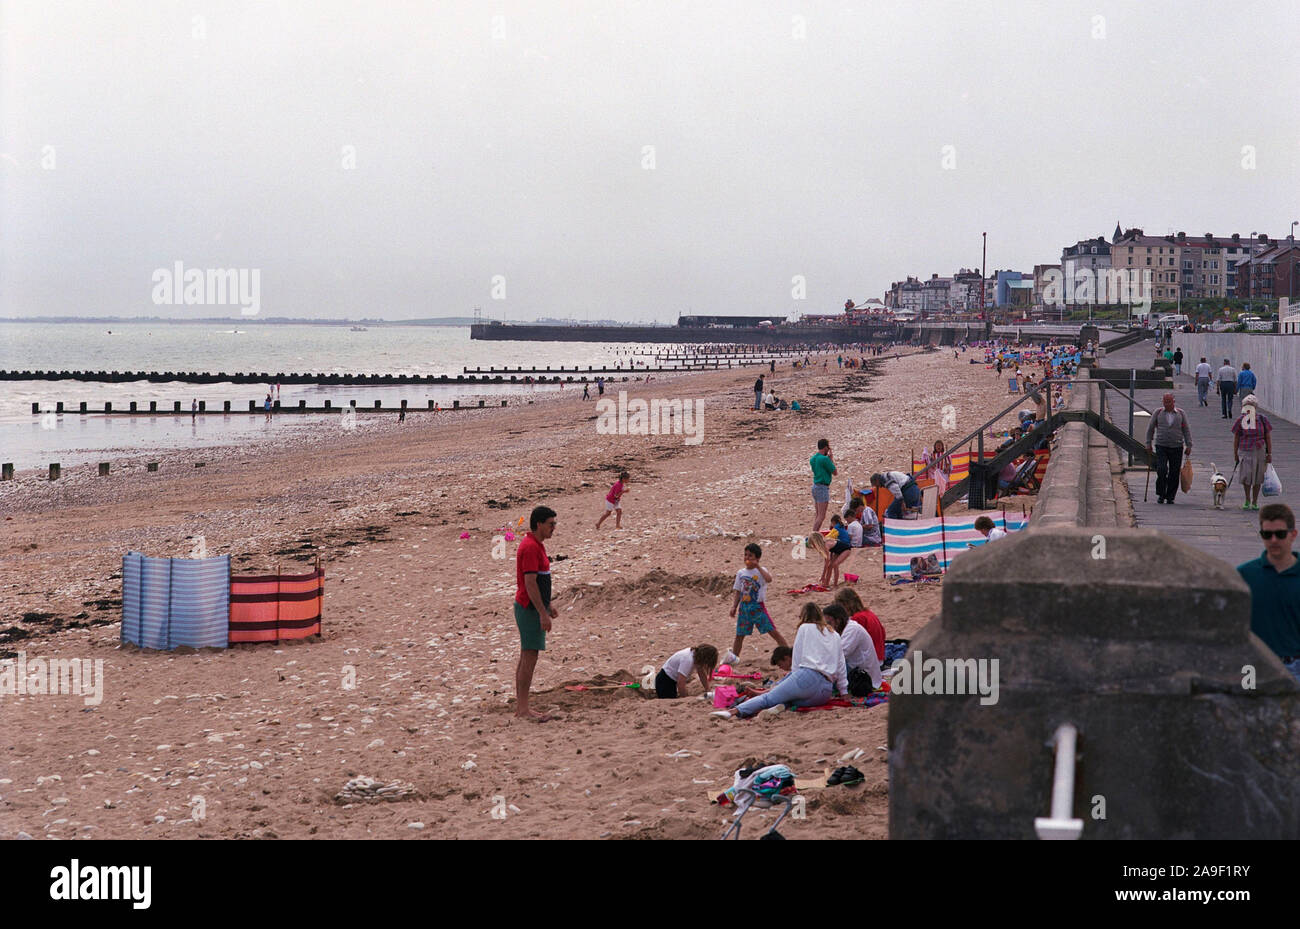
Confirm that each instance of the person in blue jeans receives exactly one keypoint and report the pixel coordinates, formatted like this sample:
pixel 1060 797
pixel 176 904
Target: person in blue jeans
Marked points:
pixel 818 664
pixel 907 495
pixel 1274 582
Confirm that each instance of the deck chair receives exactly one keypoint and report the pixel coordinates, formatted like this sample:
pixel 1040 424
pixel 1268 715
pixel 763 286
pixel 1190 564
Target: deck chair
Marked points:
pixel 1024 477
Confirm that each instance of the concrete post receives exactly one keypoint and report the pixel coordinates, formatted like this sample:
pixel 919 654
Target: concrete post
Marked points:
pixel 1187 729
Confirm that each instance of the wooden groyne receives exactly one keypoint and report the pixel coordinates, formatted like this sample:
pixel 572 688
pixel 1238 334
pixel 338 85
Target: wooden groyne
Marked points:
pixel 342 380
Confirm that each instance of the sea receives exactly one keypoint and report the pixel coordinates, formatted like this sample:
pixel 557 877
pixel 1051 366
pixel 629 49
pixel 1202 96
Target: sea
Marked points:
pixel 34 441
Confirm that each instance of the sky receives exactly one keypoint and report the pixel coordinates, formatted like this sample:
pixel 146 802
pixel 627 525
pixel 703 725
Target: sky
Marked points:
pixel 616 160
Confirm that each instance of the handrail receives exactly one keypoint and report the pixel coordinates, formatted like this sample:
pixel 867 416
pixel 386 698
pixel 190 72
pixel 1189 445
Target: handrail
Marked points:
pixel 1061 825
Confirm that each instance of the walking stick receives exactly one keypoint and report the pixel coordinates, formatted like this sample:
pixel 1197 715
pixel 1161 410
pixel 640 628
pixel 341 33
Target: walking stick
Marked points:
pixel 1148 490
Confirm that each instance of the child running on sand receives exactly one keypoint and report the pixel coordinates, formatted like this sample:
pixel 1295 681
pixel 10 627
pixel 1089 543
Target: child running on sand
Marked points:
pixel 612 502
pixel 748 606
pixel 675 675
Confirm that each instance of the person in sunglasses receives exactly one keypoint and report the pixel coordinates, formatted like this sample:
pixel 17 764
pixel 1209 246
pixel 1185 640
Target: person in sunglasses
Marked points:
pixel 1274 582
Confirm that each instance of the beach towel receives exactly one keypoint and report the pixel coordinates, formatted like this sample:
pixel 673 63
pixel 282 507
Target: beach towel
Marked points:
pixel 808 588
pixel 275 607
pixel 872 699
pixel 172 602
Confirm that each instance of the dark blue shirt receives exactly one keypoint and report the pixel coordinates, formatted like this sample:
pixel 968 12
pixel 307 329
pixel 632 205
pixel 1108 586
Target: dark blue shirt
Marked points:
pixel 1246 381
pixel 1274 604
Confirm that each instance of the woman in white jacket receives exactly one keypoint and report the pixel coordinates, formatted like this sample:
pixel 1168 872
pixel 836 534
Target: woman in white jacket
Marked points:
pixel 818 664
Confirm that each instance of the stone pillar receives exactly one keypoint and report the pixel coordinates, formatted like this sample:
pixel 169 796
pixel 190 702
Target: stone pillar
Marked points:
pixel 1189 727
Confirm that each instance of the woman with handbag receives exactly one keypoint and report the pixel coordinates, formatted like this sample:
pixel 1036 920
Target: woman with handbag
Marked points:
pixel 1252 449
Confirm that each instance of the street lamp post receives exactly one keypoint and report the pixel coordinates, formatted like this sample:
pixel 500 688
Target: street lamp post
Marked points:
pixel 984 266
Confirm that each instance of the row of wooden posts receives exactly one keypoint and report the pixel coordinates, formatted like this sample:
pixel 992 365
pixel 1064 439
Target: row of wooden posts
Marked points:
pixel 56 469
pixel 253 407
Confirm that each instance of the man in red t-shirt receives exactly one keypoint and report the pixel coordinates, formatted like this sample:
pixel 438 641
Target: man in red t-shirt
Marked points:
pixel 533 610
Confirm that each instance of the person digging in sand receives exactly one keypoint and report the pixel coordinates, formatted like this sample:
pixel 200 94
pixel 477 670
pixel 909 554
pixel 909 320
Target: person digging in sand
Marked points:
pixel 533 609
pixel 675 676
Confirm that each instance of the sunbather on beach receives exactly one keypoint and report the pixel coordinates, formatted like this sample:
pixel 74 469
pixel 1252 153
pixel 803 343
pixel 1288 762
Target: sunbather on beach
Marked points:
pixel 859 650
pixel 674 677
pixel 818 662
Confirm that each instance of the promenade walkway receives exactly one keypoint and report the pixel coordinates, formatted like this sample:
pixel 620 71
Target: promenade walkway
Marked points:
pixel 1231 533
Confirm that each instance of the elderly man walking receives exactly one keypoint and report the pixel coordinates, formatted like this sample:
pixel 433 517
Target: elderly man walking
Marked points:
pixel 1203 373
pixel 1227 387
pixel 1169 429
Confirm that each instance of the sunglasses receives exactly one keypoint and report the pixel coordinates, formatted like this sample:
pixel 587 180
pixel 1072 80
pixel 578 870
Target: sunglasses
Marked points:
pixel 1279 534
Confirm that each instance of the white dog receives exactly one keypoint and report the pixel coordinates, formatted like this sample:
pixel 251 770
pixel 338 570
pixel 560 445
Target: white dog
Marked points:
pixel 1218 485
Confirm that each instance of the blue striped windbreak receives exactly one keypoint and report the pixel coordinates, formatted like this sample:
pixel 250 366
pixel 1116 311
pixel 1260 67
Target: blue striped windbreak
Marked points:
pixel 170 602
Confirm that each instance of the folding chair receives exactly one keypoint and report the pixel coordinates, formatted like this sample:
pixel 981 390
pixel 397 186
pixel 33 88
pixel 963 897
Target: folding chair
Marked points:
pixel 746 799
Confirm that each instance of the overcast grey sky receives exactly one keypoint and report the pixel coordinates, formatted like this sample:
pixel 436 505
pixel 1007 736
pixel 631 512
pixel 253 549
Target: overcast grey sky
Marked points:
pixel 497 138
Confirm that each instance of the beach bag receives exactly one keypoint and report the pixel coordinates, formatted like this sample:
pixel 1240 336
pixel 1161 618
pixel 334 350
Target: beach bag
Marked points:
pixel 724 696
pixel 1185 477
pixel 926 566
pixel 1272 485
pixel 860 683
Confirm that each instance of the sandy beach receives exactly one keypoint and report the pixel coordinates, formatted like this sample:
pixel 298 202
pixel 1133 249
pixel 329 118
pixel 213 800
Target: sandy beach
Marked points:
pixel 258 741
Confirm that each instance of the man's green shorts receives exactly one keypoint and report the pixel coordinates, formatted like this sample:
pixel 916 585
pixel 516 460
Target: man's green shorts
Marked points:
pixel 532 638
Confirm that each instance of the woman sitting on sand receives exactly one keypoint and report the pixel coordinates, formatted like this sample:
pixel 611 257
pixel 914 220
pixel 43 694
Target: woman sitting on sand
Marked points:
pixel 818 663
